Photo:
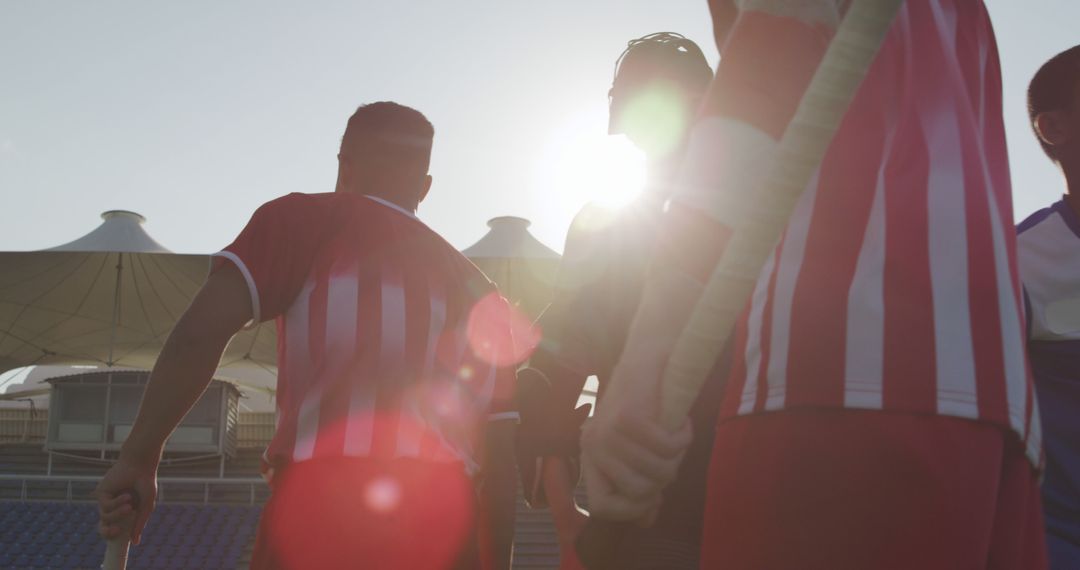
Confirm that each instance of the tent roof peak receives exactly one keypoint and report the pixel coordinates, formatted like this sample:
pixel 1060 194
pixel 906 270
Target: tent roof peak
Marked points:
pixel 509 238
pixel 120 231
pixel 109 214
pixel 509 222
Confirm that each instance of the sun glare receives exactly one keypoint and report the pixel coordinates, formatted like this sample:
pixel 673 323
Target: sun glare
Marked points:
pixel 583 164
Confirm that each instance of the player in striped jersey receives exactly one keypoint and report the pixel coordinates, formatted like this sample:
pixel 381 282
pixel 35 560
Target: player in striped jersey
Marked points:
pixel 879 412
pixel 395 372
pixel 659 82
pixel 1049 252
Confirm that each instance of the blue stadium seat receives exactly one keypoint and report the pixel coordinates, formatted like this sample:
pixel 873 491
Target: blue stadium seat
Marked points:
pixel 64 535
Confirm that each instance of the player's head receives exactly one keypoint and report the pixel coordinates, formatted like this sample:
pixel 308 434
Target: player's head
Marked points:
pixel 386 152
pixel 659 82
pixel 1054 105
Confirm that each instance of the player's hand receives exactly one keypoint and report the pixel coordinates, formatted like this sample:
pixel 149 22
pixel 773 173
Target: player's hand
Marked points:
pixel 118 511
pixel 628 459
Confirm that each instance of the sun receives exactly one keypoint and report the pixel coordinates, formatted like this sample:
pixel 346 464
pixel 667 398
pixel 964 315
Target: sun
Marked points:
pixel 582 164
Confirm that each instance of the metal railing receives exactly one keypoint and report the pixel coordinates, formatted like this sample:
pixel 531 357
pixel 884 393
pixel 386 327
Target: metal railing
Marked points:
pixel 253 484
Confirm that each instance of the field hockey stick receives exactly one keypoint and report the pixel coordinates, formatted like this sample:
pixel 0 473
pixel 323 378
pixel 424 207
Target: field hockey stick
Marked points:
pixel 116 549
pixel 116 553
pixel 801 150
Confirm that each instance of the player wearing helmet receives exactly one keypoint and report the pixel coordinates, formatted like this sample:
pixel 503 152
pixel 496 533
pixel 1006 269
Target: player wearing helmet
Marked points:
pixel 659 81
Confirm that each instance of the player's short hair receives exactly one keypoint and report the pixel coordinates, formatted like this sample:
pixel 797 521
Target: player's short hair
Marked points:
pixel 1053 89
pixel 398 136
pixel 663 55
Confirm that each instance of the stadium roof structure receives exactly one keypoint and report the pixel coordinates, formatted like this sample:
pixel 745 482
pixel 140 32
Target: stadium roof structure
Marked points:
pixel 522 266
pixel 508 238
pixel 109 299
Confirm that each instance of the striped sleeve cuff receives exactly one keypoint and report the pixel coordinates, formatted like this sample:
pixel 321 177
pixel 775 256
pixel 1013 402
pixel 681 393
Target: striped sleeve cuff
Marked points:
pixel 253 291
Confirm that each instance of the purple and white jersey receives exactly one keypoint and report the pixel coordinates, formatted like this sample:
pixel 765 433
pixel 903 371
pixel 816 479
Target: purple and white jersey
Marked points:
pixel 1048 249
pixel 1049 246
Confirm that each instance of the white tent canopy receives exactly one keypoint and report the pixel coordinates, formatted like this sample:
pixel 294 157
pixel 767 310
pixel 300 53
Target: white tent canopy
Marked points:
pixel 109 298
pixel 509 238
pixel 522 266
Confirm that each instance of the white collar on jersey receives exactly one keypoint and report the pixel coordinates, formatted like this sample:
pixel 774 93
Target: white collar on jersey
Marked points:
pixel 390 204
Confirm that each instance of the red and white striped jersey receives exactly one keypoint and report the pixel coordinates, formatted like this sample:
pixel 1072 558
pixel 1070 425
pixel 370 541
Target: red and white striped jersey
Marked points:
pixel 390 342
pixel 894 286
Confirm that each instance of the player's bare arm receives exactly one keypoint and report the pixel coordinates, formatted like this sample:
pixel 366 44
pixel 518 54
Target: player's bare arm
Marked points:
pixel 183 371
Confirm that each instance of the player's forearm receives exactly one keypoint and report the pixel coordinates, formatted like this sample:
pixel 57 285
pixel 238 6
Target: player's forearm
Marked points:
pixel 667 301
pixel 182 372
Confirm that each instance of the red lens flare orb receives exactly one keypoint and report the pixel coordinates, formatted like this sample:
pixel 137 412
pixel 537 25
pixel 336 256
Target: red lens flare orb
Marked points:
pixel 500 334
pixel 348 512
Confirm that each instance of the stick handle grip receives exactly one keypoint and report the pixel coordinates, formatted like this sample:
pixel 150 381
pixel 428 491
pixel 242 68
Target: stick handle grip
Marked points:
pixel 116 553
pixel 116 549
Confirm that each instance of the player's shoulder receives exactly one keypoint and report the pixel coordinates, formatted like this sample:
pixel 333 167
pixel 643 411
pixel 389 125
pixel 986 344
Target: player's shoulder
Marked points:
pixel 598 228
pixel 1036 218
pixel 1056 223
pixel 589 236
pixel 592 219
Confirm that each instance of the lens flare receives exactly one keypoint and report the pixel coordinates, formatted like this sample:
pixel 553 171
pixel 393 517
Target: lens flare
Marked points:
pixel 347 512
pixel 581 164
pixel 655 118
pixel 499 333
pixel 383 495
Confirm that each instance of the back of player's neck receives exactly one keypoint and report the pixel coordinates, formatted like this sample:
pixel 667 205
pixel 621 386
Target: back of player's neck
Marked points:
pixel 1072 199
pixel 393 198
pixel 1072 185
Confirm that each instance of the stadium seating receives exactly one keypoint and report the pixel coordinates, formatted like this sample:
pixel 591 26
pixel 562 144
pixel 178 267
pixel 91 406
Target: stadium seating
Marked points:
pixel 63 536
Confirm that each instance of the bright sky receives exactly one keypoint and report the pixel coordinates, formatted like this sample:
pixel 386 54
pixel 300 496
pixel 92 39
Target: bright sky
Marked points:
pixel 194 113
